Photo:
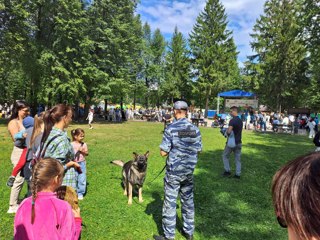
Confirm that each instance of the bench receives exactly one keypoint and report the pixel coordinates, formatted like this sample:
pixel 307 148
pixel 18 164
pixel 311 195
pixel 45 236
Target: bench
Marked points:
pixel 197 121
pixel 202 122
pixel 282 128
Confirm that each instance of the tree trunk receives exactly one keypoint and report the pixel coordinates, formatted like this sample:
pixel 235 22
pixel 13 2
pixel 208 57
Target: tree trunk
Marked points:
pixel 86 109
pixel 33 101
pixel 87 104
pixel 208 93
pixel 280 108
pixel 207 104
pixel 200 101
pixel 76 111
pixel 278 104
pixel 147 94
pixel 134 98
pixel 105 109
pixel 134 93
pixel 158 101
pixel 105 105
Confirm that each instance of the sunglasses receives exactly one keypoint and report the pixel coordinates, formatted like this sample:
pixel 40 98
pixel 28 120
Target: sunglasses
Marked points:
pixel 281 222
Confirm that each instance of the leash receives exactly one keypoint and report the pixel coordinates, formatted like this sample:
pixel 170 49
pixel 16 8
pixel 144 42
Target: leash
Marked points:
pixel 158 174
pixel 160 171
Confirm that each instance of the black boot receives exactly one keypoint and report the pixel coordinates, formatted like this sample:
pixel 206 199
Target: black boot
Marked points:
pixel 186 235
pixel 161 238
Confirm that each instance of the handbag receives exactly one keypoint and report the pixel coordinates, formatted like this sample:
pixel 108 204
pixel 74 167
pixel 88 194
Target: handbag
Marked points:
pixel 231 143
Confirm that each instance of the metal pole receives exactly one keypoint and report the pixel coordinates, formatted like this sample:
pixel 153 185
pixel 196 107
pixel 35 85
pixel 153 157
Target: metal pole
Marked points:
pixel 218 104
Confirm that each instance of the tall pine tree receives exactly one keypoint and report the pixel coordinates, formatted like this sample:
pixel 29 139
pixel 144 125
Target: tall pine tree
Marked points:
pixel 153 68
pixel 111 22
pixel 177 83
pixel 214 53
pixel 281 54
pixel 14 30
pixel 311 27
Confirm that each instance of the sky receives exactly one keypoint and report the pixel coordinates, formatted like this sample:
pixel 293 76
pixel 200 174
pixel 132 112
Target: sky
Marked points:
pixel 166 14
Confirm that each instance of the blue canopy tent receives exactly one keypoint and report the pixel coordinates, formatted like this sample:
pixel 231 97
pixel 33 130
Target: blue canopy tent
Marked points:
pixel 234 94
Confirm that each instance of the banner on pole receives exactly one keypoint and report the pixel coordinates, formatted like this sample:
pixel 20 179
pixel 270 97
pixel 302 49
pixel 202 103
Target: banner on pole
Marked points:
pixel 241 103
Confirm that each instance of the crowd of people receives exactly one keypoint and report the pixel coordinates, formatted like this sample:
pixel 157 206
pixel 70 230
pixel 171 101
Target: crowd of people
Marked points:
pixel 115 114
pixel 272 121
pixel 45 158
pixel 5 110
pixel 54 168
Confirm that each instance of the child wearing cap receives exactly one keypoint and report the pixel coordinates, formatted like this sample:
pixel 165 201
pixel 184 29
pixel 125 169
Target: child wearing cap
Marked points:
pixel 20 143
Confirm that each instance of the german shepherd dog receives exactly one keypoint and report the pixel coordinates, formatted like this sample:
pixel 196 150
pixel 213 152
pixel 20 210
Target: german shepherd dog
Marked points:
pixel 133 174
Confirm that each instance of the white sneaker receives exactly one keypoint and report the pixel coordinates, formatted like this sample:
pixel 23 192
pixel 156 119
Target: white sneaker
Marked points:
pixel 13 209
pixel 80 197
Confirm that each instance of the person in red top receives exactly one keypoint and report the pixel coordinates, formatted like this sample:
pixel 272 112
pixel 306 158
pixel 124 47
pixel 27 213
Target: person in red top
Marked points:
pixel 43 215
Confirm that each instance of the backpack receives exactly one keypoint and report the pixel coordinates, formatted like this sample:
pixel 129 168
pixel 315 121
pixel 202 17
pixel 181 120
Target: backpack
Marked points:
pixel 36 157
pixel 316 139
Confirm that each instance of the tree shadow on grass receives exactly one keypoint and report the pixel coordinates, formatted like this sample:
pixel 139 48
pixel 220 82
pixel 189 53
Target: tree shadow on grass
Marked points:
pixel 228 208
pixel 283 138
pixel 232 209
pixel 154 208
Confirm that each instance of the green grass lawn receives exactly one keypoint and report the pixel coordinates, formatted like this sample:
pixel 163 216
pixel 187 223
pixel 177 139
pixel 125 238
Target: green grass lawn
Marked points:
pixel 226 209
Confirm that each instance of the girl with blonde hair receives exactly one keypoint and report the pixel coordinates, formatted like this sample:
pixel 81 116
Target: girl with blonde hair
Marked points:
pixel 43 215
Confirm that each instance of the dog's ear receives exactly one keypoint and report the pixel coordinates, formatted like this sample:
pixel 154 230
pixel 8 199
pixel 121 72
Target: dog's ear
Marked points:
pixel 135 155
pixel 146 154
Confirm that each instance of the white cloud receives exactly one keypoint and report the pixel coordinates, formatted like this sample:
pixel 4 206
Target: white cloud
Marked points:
pixel 167 14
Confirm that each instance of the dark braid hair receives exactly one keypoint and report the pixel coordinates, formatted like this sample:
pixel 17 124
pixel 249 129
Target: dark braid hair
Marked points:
pixel 42 174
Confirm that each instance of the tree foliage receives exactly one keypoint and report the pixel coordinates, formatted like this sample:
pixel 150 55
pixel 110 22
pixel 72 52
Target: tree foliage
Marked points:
pixel 214 53
pixel 280 66
pixel 153 63
pixel 311 33
pixel 177 83
pixel 83 51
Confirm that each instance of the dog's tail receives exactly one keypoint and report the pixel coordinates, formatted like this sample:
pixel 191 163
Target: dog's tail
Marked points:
pixel 118 163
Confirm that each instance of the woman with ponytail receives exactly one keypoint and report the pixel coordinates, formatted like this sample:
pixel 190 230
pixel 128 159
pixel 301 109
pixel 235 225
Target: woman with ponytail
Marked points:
pixel 43 215
pixel 55 143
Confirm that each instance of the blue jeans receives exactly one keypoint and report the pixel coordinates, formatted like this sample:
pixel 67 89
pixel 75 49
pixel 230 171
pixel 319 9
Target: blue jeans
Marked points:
pixel 263 126
pixel 82 179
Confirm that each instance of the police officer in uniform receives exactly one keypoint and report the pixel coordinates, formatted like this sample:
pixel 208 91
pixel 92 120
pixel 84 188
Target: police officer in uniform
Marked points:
pixel 181 144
